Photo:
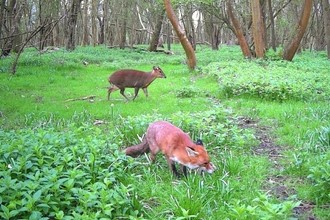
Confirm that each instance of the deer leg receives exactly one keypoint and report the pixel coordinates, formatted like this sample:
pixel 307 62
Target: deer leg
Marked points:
pixel 122 92
pixel 111 89
pixel 145 92
pixel 136 92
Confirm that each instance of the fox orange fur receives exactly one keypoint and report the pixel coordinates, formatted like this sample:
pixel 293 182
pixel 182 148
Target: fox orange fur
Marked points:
pixel 176 145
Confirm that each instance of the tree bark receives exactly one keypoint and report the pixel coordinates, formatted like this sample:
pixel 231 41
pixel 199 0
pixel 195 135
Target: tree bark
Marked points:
pixel 272 25
pixel 122 36
pixel 190 53
pixel 2 12
pixel 326 19
pixel 155 35
pixel 239 33
pixel 94 26
pixel 71 27
pixel 169 34
pixel 192 35
pixel 258 29
pixel 291 50
pixel 85 40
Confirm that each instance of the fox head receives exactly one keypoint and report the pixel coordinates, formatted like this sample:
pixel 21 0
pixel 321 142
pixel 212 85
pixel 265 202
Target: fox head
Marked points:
pixel 198 158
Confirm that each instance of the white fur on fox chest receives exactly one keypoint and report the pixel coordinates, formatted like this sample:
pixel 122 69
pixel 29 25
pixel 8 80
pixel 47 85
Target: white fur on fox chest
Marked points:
pixel 191 166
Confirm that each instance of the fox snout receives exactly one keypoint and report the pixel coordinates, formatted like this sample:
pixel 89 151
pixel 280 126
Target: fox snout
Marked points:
pixel 208 167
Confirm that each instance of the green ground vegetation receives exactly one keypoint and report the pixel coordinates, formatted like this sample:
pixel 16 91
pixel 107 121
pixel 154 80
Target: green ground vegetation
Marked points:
pixel 264 122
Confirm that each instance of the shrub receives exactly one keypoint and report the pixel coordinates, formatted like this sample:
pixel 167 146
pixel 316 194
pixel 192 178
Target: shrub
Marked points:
pixel 70 174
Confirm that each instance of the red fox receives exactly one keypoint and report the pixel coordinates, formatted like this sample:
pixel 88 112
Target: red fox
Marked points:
pixel 176 145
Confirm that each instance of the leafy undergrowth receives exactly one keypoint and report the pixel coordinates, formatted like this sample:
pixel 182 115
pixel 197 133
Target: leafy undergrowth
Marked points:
pixel 70 174
pixel 65 171
pixel 276 80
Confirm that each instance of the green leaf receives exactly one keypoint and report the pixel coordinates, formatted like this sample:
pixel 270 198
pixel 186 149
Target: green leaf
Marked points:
pixel 35 215
pixel 6 213
pixel 28 164
pixel 36 195
pixel 43 206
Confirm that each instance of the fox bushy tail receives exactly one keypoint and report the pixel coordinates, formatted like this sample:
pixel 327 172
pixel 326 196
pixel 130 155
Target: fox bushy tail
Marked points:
pixel 137 150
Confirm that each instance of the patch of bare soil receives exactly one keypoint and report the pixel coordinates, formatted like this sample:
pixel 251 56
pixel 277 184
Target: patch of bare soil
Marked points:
pixel 276 184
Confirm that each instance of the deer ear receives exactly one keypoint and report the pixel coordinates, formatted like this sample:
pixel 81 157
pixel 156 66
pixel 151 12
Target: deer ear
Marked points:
pixel 191 152
pixel 154 67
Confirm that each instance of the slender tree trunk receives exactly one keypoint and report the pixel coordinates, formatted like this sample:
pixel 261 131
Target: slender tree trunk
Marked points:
pixel 239 33
pixel 103 21
pixel 155 35
pixel 14 14
pixel 101 32
pixel 291 50
pixel 169 34
pixel 212 30
pixel 94 26
pixel 272 25
pixel 190 53
pixel 326 19
pixel 123 23
pixel 85 40
pixel 192 35
pixel 71 27
pixel 2 12
pixel 258 29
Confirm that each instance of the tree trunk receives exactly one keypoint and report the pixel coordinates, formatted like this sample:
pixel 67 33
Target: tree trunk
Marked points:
pixel 326 19
pixel 290 51
pixel 85 40
pixel 169 34
pixel 122 36
pixel 192 35
pixel 212 30
pixel 272 25
pixel 2 12
pixel 71 27
pixel 94 26
pixel 190 53
pixel 239 33
pixel 101 32
pixel 258 29
pixel 155 35
pixel 13 40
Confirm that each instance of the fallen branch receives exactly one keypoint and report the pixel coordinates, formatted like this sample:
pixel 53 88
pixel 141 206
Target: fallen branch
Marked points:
pixel 99 122
pixel 90 97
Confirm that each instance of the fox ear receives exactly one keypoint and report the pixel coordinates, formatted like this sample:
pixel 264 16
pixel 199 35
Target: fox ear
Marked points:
pixel 191 152
pixel 199 142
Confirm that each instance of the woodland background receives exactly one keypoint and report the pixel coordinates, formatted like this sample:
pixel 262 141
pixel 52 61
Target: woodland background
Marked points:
pixel 271 24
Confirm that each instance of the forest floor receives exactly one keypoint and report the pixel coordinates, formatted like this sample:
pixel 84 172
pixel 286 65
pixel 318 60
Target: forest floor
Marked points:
pixel 277 184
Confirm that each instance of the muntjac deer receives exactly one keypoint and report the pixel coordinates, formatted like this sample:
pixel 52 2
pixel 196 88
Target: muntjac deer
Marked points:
pixel 136 79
